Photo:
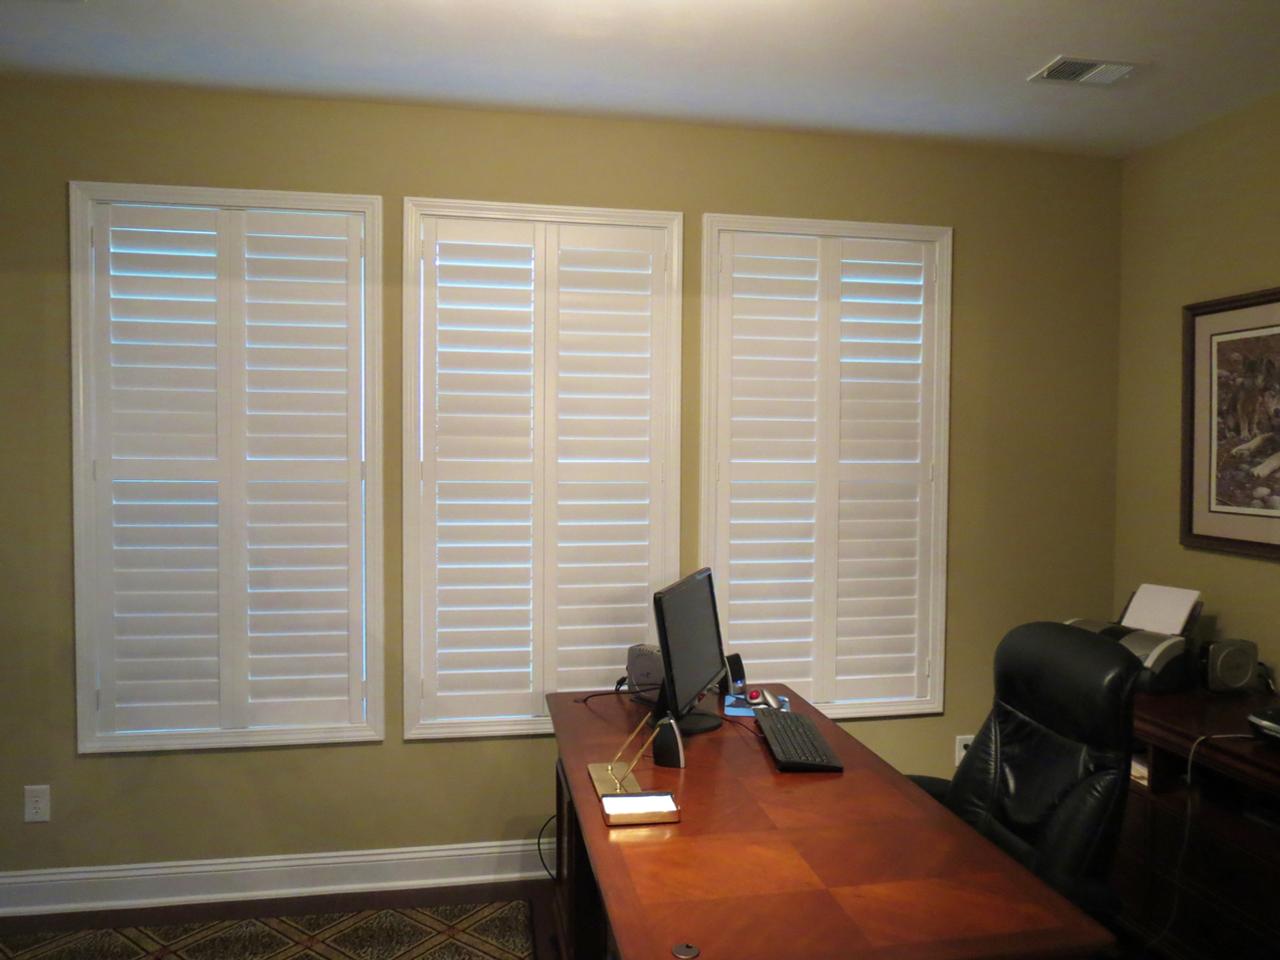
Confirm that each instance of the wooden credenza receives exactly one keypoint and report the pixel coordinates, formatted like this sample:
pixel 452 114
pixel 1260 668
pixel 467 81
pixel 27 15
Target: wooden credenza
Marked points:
pixel 1221 898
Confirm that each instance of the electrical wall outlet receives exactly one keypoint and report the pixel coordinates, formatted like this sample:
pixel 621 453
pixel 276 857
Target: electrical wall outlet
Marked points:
pixel 962 744
pixel 35 808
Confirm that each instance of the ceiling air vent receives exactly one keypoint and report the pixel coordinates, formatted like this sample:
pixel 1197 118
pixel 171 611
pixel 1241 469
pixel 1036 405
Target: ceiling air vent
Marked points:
pixel 1083 70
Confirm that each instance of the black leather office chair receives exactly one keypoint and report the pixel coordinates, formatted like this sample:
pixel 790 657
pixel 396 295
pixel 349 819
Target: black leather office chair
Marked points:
pixel 1047 775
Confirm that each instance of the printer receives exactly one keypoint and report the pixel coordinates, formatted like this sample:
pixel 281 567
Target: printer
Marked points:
pixel 1155 626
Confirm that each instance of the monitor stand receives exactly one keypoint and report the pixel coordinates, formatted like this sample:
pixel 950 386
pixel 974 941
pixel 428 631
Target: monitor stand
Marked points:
pixel 699 720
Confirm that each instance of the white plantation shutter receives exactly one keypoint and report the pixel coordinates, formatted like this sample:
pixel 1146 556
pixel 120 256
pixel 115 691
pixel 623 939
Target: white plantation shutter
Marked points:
pixel 824 479
pixel 605 479
pixel 221 498
pixel 770 474
pixel 540 383
pixel 478 474
pixel 884 578
pixel 158 492
pixel 302 463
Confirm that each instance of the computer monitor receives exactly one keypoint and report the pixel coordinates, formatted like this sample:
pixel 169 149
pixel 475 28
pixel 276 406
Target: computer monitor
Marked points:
pixel 692 655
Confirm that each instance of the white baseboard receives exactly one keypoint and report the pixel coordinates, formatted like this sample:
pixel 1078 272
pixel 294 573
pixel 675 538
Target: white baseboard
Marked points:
pixel 67 889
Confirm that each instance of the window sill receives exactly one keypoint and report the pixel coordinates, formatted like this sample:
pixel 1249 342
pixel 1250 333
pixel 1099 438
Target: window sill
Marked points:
pixel 226 739
pixel 463 729
pixel 470 729
pixel 879 710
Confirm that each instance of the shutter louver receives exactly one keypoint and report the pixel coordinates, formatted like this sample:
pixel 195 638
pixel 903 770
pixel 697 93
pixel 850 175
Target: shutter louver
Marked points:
pixel 882 583
pixel 478 468
pixel 220 490
pixel 602 319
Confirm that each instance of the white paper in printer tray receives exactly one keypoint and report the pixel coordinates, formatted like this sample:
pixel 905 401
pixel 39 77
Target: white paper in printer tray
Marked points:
pixel 1160 609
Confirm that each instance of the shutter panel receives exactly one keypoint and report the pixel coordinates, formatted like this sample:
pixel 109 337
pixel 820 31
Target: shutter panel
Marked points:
pixel 157 481
pixel 301 448
pixel 883 578
pixel 607 289
pixel 478 472
pixel 824 496
pixel 770 472
pixel 221 557
pixel 542 372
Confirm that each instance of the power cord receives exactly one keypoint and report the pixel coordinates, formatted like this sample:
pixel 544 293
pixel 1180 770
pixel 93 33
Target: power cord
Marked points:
pixel 541 859
pixel 1268 674
pixel 1186 831
pixel 745 726
pixel 616 691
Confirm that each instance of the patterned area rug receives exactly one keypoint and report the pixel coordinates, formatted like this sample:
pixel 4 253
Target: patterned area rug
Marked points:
pixel 476 931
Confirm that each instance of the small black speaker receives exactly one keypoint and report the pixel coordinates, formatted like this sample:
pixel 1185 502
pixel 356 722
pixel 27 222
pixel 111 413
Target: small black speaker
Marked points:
pixel 668 745
pixel 736 678
pixel 1230 665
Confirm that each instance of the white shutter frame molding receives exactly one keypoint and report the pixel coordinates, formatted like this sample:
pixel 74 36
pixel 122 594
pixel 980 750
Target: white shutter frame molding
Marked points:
pixel 930 656
pixel 362 716
pixel 419 578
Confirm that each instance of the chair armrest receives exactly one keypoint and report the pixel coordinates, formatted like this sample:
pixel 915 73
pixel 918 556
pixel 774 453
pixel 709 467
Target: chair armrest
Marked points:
pixel 935 787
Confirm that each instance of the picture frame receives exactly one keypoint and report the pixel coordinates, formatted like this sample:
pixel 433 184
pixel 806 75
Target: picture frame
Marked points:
pixel 1231 424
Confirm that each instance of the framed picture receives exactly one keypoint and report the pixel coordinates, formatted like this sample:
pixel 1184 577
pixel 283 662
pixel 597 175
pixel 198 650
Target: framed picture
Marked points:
pixel 1231 424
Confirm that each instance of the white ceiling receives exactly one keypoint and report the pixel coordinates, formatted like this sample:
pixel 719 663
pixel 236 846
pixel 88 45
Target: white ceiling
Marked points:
pixel 954 68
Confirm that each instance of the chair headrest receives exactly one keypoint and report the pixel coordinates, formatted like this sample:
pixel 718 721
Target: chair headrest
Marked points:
pixel 1076 683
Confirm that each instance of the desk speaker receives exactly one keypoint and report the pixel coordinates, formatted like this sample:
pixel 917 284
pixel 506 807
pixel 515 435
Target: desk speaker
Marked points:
pixel 1230 665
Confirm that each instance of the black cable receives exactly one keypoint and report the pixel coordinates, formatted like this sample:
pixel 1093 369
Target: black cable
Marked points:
pixel 541 830
pixel 616 691
pixel 1268 675
pixel 745 726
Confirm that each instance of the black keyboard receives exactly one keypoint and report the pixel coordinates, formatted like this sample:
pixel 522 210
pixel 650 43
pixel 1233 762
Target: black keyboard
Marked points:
pixel 795 742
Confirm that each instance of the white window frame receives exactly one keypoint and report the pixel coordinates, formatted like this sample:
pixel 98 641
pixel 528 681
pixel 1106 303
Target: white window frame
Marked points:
pixel 667 412
pixel 83 197
pixel 715 395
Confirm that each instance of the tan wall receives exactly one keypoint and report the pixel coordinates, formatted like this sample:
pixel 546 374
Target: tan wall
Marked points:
pixel 1201 220
pixel 1035 297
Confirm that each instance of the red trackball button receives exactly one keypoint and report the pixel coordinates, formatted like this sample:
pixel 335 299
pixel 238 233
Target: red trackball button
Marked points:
pixel 753 695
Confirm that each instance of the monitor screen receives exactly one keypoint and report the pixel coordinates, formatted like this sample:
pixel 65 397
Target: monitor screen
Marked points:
pixel 689 633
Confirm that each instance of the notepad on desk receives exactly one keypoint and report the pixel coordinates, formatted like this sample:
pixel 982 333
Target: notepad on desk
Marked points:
pixel 627 809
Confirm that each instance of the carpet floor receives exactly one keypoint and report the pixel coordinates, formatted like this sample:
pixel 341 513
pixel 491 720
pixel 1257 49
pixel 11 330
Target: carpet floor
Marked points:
pixel 474 931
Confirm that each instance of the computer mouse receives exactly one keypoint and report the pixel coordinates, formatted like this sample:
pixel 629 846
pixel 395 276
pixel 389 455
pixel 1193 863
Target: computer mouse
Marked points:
pixel 760 697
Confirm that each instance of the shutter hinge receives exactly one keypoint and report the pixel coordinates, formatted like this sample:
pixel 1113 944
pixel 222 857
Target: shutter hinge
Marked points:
pixel 97 700
pixel 93 470
pixel 92 237
pixel 928 667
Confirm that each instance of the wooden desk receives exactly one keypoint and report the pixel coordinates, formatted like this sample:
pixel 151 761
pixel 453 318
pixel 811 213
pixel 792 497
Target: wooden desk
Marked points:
pixel 763 864
pixel 1218 898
